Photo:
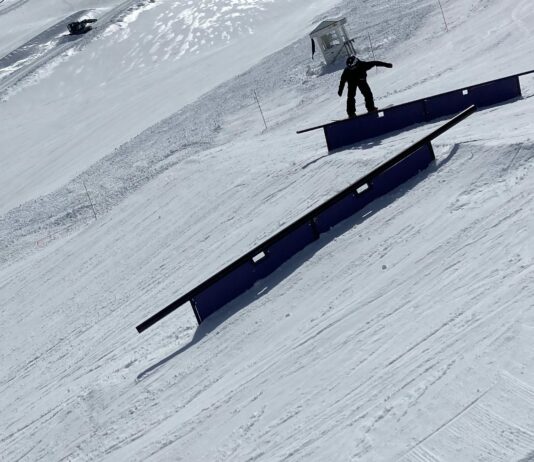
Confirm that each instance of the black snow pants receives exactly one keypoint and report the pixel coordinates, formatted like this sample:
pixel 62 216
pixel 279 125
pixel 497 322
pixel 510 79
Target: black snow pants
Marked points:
pixel 367 94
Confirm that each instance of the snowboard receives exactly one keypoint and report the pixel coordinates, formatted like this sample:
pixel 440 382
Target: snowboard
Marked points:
pixel 341 120
pixel 362 115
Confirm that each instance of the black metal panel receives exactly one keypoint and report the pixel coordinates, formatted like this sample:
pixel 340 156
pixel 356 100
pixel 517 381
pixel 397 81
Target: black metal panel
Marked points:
pixel 402 171
pixel 447 104
pixel 341 210
pixel 398 117
pixel 351 131
pixel 496 92
pixel 225 289
pixel 285 248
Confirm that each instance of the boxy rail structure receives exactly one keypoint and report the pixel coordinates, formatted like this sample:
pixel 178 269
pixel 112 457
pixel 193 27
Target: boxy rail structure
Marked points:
pixel 240 276
pixel 350 131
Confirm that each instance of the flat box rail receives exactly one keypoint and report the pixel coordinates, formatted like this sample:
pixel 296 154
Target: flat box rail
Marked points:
pixel 265 258
pixel 350 131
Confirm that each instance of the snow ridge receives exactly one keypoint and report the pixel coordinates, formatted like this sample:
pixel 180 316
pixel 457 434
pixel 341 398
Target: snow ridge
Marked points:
pixel 405 333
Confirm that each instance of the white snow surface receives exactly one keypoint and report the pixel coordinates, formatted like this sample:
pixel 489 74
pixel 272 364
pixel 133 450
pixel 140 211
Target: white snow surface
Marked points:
pixel 404 334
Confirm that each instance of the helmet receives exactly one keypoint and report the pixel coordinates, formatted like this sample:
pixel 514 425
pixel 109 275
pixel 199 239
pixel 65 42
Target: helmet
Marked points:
pixel 351 60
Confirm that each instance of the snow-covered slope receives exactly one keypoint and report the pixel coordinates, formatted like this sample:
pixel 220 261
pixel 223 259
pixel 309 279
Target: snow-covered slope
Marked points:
pixel 404 334
pixel 135 70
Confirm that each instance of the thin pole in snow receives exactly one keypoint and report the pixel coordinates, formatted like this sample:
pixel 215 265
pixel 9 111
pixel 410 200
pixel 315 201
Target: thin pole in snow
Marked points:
pixel 372 50
pixel 90 201
pixel 261 112
pixel 443 14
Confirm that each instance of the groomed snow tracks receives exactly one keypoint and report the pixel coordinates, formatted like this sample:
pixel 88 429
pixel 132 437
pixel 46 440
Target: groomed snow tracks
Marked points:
pixel 350 131
pixel 242 274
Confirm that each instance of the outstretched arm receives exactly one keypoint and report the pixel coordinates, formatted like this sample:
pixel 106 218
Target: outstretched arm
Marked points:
pixel 379 64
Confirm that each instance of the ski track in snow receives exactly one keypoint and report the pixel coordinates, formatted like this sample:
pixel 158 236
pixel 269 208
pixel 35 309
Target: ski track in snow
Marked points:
pixel 9 6
pixel 403 334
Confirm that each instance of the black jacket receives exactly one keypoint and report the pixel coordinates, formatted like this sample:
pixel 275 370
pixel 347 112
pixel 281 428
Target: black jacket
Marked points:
pixel 358 72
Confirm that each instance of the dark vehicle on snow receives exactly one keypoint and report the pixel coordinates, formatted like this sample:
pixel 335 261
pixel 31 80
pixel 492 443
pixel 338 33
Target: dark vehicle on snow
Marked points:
pixel 80 27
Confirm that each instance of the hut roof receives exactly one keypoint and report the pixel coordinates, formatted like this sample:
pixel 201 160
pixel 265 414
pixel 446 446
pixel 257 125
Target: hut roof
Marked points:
pixel 326 24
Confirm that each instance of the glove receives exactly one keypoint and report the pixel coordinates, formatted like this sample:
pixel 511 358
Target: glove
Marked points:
pixel 340 92
pixel 389 65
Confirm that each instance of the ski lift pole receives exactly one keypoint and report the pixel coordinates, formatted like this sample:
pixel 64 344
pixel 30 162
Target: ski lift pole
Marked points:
pixel 339 52
pixel 443 14
pixel 372 50
pixel 348 47
pixel 90 201
pixel 261 112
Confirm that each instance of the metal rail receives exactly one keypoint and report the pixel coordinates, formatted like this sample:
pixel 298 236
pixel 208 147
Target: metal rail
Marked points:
pixel 308 217
pixel 317 127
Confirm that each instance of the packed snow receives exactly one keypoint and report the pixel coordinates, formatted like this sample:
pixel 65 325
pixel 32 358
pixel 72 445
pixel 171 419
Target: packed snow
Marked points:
pixel 135 164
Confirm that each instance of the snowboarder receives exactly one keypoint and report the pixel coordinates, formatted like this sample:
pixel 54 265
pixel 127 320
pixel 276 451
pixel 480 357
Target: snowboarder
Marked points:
pixel 355 75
